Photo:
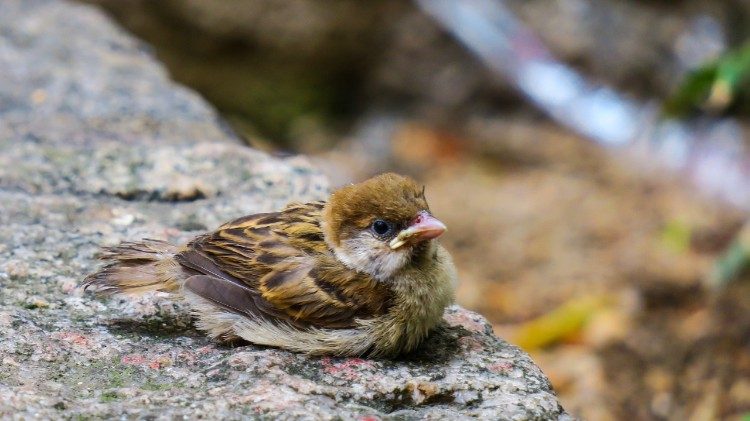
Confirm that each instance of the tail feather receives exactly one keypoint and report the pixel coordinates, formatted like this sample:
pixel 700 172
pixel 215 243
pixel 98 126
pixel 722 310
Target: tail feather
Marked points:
pixel 135 268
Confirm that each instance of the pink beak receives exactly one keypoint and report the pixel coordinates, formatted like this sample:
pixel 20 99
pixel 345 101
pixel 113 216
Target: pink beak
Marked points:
pixel 423 227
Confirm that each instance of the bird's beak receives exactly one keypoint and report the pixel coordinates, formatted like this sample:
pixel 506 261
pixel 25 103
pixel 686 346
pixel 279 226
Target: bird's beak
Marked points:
pixel 423 227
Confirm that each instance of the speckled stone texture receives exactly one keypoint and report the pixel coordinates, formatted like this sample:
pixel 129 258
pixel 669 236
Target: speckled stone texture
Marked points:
pixel 96 147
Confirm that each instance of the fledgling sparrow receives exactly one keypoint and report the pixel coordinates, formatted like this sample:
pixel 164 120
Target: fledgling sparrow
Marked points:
pixel 360 273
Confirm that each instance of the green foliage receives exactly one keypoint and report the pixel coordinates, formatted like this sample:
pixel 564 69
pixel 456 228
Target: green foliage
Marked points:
pixel 734 262
pixel 676 236
pixel 714 86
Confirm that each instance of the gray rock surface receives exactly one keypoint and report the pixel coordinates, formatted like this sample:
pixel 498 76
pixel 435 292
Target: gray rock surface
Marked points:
pixel 96 147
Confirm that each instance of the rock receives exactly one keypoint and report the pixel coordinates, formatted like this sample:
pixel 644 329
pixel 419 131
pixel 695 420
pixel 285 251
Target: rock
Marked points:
pixel 98 146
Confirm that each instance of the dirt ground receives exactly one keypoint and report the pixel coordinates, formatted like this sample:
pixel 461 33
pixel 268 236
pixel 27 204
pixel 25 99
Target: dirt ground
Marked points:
pixel 593 264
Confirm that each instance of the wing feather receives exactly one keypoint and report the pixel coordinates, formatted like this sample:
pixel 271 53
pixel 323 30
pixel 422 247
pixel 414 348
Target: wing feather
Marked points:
pixel 277 265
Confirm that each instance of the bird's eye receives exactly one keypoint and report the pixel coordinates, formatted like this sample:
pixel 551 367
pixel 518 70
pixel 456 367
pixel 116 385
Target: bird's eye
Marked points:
pixel 382 228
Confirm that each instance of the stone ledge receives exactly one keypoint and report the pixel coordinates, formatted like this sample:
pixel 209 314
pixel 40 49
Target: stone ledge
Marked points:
pixel 98 146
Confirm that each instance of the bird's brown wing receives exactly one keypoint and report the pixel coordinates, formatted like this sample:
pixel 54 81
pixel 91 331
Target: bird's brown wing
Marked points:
pixel 278 266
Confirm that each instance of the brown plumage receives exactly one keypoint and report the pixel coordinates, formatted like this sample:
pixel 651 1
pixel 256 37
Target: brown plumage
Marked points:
pixel 359 274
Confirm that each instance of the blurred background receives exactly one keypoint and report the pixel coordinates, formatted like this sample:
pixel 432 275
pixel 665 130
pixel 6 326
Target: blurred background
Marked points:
pixel 589 158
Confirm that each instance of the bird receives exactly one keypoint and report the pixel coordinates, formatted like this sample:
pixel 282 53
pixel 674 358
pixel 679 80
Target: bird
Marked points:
pixel 359 274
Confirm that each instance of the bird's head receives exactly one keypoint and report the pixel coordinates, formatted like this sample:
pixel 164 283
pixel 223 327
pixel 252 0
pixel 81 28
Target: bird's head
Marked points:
pixel 380 225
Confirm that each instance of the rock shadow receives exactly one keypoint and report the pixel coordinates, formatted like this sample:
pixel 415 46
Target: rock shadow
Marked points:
pixel 157 327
